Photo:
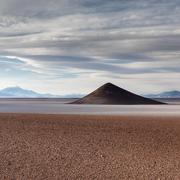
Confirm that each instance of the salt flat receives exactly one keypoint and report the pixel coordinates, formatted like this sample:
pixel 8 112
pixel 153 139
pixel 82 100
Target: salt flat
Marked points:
pixel 60 106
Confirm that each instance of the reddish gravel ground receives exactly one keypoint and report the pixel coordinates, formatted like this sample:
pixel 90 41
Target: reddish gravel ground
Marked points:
pixel 88 147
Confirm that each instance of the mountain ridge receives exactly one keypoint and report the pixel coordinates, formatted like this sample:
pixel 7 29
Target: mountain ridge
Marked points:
pixel 166 94
pixel 18 92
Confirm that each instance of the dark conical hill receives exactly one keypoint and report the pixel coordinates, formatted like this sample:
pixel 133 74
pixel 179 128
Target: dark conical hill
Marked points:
pixel 112 94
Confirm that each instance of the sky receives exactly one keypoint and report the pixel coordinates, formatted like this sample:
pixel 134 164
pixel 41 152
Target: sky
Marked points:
pixel 74 46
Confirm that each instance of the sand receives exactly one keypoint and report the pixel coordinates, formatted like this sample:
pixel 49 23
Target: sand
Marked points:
pixel 88 147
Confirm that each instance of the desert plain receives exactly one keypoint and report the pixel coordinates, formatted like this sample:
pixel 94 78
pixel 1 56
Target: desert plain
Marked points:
pixel 35 146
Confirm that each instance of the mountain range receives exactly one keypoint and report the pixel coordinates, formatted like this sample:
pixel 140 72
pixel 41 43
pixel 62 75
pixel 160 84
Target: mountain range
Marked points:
pixel 168 94
pixel 18 92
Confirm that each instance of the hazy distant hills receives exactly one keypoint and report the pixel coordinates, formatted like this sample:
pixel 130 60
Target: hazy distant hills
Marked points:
pixel 18 92
pixel 168 94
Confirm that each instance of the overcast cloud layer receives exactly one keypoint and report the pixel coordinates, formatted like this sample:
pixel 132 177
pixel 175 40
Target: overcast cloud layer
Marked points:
pixel 73 46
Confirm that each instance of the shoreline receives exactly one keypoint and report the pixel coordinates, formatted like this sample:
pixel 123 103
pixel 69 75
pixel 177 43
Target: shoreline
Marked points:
pixel 131 115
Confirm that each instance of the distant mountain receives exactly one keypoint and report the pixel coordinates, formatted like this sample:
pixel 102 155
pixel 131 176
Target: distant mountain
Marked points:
pixel 112 94
pixel 72 96
pixel 18 92
pixel 168 94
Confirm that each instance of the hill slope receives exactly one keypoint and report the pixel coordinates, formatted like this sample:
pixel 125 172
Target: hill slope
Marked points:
pixel 112 94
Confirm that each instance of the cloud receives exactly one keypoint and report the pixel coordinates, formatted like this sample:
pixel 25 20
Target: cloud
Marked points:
pixel 90 38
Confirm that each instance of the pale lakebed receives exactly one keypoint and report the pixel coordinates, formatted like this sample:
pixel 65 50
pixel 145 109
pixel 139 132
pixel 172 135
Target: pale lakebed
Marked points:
pixel 61 106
